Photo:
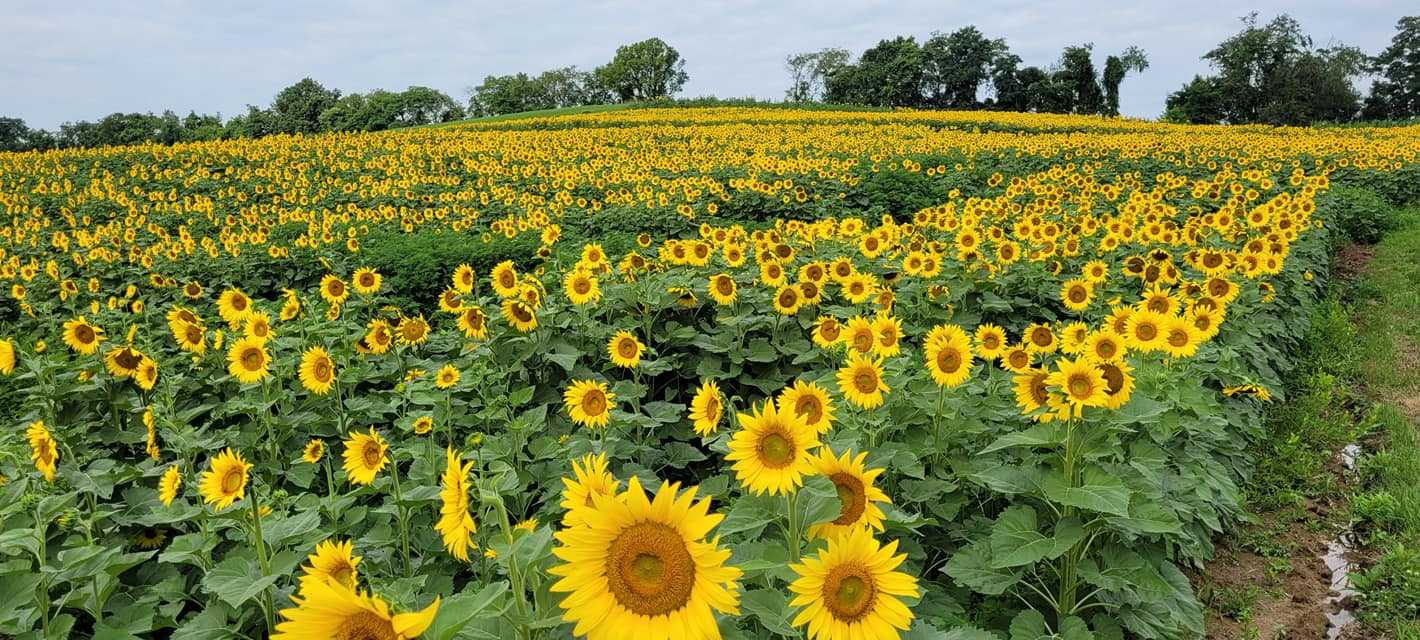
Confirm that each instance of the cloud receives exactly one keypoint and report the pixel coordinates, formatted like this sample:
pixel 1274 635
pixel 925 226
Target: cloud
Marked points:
pixel 81 60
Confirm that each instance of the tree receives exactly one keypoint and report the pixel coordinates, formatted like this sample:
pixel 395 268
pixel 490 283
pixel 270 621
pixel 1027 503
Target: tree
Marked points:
pixel 1396 94
pixel 955 66
pixel 809 72
pixel 14 135
pixel 1198 102
pixel 1115 68
pixel 643 71
pixel 887 75
pixel 1078 78
pixel 506 94
pixel 297 108
pixel 1010 92
pixel 422 105
pixel 568 87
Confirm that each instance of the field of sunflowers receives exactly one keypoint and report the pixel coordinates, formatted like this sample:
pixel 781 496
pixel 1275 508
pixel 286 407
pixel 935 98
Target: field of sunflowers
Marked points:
pixel 661 373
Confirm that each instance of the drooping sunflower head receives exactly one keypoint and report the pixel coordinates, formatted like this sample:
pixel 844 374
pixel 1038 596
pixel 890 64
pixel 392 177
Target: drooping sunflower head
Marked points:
pixel 772 449
pixel 852 589
pixel 248 361
pixel 625 350
pixel 169 484
pixel 1119 384
pixel 857 496
pixel 317 371
pixel 464 278
pixel 588 403
pixel 7 357
pixel 861 382
pixel 643 566
pixel 706 408
pixel 1032 390
pixel 225 480
pixel 150 537
pixel 146 377
pixel 365 456
pixel 810 402
pixel 122 362
pixel 334 561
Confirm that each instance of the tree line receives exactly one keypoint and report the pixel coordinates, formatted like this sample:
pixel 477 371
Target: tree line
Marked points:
pixel 1269 73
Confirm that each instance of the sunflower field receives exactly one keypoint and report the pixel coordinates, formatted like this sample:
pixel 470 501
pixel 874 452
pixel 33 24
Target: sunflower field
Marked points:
pixel 659 373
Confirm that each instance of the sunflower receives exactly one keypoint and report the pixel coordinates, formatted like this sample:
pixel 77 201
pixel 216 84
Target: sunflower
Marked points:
pixel 859 287
pixel 827 331
pixel 787 300
pixel 1032 392
pixel 590 476
pixel 519 315
pixel 857 496
pixel 887 332
pixel 367 281
pixel 150 538
pixel 147 374
pixel 169 484
pixel 258 325
pixel 990 341
pixel 82 337
pixel 225 480
pixel 588 403
pixel 122 362
pixel 625 350
pixel 582 287
pixel 771 450
pixel 447 377
pixel 233 306
pixel 1105 345
pixel 325 609
pixel 365 455
pixel 317 372
pixel 1017 358
pixel 378 337
pixel 1145 330
pixel 422 425
pixel 859 335
pixel 1180 340
pixel 706 408
pixel 334 562
pixel 191 338
pixel 642 566
pixel 248 360
pixel 947 350
pixel 861 382
pixel 852 590
pixel 1119 384
pixel 723 289
pixel 463 278
pixel 333 290
pixel 44 451
pixel 413 330
pixel 1038 338
pixel 1076 293
pixel 455 522
pixel 7 357
pixel 450 301
pixel 1080 383
pixel 810 402
pixel 314 450
pixel 505 279
pixel 473 323
pixel 193 290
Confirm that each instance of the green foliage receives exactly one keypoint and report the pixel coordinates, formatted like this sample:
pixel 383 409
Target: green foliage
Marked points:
pixel 417 266
pixel 643 70
pixel 1396 94
pixel 1390 590
pixel 1360 214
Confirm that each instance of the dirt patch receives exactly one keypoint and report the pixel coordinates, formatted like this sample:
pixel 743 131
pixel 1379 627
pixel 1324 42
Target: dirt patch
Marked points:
pixel 1352 259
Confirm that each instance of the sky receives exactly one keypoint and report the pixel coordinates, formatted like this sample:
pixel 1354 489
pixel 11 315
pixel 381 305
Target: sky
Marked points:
pixel 66 61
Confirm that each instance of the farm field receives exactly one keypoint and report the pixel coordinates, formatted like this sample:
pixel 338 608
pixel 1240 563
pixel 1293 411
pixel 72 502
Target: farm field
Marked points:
pixel 687 373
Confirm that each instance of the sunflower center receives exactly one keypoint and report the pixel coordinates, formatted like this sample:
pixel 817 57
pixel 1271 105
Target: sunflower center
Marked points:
pixel 370 454
pixel 581 286
pixel 991 342
pixel 1113 378
pixel 239 303
pixel 649 569
pixel 344 574
pixel 1038 391
pixel 888 337
pixel 1018 358
pixel 520 313
pixel 776 450
pixel 1106 349
pixel 809 407
pixel 863 341
pixel 865 381
pixel 788 298
pixel 193 334
pixel 627 348
pixel 322 370
pixel 948 360
pixel 232 481
pixel 127 359
pixel 1178 338
pixel 365 625
pixel 848 593
pixel 1079 386
pixel 712 409
pixel 1041 337
pixel 1077 294
pixel 506 279
pixel 594 403
pixel 829 331
pixel 1146 331
pixel 84 333
pixel 251 359
pixel 851 496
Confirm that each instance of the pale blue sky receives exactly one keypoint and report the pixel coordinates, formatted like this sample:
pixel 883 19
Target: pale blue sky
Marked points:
pixel 62 61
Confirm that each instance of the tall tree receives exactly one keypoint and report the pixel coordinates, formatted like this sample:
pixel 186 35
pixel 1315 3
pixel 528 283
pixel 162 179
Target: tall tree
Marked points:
pixel 643 71
pixel 14 135
pixel 888 75
pixel 1396 94
pixel 1115 68
pixel 297 108
pixel 422 105
pixel 1077 75
pixel 809 72
pixel 955 66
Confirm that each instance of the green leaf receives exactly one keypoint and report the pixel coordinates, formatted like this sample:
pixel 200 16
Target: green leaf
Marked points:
pixel 771 606
pixel 460 609
pixel 1016 539
pixel 1029 624
pixel 236 580
pixel 1100 492
pixel 818 500
pixel 966 633
pixel 1073 628
pixel 279 530
pixel 1049 433
pixel 972 566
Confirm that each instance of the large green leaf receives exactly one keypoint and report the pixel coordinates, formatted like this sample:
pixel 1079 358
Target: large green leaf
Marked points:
pixel 1100 492
pixel 236 580
pixel 972 566
pixel 1045 434
pixel 1029 624
pixel 458 610
pixel 771 607
pixel 1017 541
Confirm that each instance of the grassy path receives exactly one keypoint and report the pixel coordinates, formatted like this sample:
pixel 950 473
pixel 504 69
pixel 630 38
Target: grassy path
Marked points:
pixel 1357 380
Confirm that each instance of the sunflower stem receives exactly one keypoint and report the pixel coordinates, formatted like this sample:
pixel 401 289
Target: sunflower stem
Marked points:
pixel 793 537
pixel 514 577
pixel 400 514
pixel 268 607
